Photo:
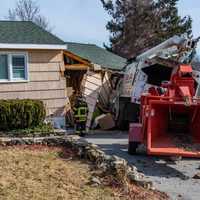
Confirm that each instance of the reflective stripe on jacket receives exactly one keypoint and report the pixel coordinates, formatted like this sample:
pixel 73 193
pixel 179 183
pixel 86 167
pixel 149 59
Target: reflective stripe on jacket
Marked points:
pixel 80 114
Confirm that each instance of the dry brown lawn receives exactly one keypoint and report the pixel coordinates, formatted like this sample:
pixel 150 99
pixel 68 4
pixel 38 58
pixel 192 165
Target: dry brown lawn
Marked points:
pixel 48 174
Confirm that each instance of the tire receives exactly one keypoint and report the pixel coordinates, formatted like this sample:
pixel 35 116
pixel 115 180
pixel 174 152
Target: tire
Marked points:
pixel 82 134
pixel 132 147
pixel 128 113
pixel 121 123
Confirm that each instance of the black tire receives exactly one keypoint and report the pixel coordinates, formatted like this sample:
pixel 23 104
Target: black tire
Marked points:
pixel 132 147
pixel 121 123
pixel 128 113
pixel 82 134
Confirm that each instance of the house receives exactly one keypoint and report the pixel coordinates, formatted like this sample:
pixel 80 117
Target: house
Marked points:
pixel 97 56
pixel 35 64
pixel 87 58
pixel 32 66
pixel 93 71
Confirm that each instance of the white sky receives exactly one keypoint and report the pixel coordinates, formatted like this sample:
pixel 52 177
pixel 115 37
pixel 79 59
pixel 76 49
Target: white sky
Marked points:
pixel 85 20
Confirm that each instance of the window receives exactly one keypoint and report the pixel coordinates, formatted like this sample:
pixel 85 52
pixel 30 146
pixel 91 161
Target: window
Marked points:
pixel 18 67
pixel 13 67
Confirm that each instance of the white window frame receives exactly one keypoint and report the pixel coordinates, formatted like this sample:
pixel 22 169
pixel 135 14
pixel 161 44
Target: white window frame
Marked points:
pixel 10 67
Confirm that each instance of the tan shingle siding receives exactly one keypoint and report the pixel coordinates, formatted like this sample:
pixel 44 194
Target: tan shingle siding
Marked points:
pixel 46 82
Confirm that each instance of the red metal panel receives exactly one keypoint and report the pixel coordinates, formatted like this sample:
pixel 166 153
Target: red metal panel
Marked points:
pixel 186 68
pixel 158 127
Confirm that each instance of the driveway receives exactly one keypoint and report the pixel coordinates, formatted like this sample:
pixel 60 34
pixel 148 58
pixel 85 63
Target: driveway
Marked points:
pixel 174 178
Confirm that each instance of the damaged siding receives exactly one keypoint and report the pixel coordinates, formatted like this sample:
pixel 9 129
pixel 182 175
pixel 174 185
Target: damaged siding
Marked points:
pixel 91 84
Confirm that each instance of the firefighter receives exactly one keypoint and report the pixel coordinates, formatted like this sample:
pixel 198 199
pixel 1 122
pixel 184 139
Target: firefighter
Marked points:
pixel 80 116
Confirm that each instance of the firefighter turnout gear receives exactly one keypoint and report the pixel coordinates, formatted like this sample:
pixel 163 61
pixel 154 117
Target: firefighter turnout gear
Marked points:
pixel 80 116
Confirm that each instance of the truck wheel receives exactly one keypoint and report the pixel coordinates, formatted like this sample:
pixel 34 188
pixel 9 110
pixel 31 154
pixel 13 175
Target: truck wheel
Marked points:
pixel 82 134
pixel 121 123
pixel 132 147
pixel 127 113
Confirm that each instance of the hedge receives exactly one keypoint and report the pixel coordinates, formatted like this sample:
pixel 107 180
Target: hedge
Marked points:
pixel 20 114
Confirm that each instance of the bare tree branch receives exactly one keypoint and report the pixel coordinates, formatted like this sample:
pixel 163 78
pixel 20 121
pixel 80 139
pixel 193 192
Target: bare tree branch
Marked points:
pixel 28 10
pixel 43 22
pixel 11 15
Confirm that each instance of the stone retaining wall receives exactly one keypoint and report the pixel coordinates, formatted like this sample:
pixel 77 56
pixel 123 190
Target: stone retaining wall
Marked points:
pixel 112 165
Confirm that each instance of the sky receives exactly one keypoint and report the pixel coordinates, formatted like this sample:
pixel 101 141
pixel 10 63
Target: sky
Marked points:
pixel 85 20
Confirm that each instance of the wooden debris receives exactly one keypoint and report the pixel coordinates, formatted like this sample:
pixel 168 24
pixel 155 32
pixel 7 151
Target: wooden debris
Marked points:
pixel 186 142
pixel 197 176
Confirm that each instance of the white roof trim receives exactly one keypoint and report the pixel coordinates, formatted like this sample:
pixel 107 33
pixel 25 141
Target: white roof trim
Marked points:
pixel 33 46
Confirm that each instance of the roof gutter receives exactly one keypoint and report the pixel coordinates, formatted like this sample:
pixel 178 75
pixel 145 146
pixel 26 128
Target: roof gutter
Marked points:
pixel 33 46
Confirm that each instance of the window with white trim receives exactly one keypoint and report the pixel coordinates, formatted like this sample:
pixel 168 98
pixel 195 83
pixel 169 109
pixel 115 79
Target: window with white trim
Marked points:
pixel 13 67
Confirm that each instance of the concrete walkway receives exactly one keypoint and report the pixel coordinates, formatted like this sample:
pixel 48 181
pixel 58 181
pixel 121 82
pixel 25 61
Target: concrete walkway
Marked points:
pixel 174 178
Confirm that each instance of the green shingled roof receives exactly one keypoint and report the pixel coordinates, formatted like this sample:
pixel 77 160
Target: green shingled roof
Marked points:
pixel 26 32
pixel 97 55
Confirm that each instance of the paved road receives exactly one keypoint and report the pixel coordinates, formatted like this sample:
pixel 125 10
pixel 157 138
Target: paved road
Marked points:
pixel 174 178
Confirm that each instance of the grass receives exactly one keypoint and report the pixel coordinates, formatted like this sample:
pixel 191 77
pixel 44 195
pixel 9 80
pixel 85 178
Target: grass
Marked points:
pixel 44 173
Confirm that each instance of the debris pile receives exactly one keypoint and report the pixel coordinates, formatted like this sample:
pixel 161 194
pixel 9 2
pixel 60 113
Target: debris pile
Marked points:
pixel 98 88
pixel 197 176
pixel 186 142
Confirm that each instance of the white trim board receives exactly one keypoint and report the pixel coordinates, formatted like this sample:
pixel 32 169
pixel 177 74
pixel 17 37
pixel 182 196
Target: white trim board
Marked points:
pixel 33 46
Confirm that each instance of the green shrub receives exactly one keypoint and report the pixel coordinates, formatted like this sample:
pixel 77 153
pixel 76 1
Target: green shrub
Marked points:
pixel 42 130
pixel 20 114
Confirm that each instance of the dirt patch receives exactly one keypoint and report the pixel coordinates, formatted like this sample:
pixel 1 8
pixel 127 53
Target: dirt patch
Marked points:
pixel 41 173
